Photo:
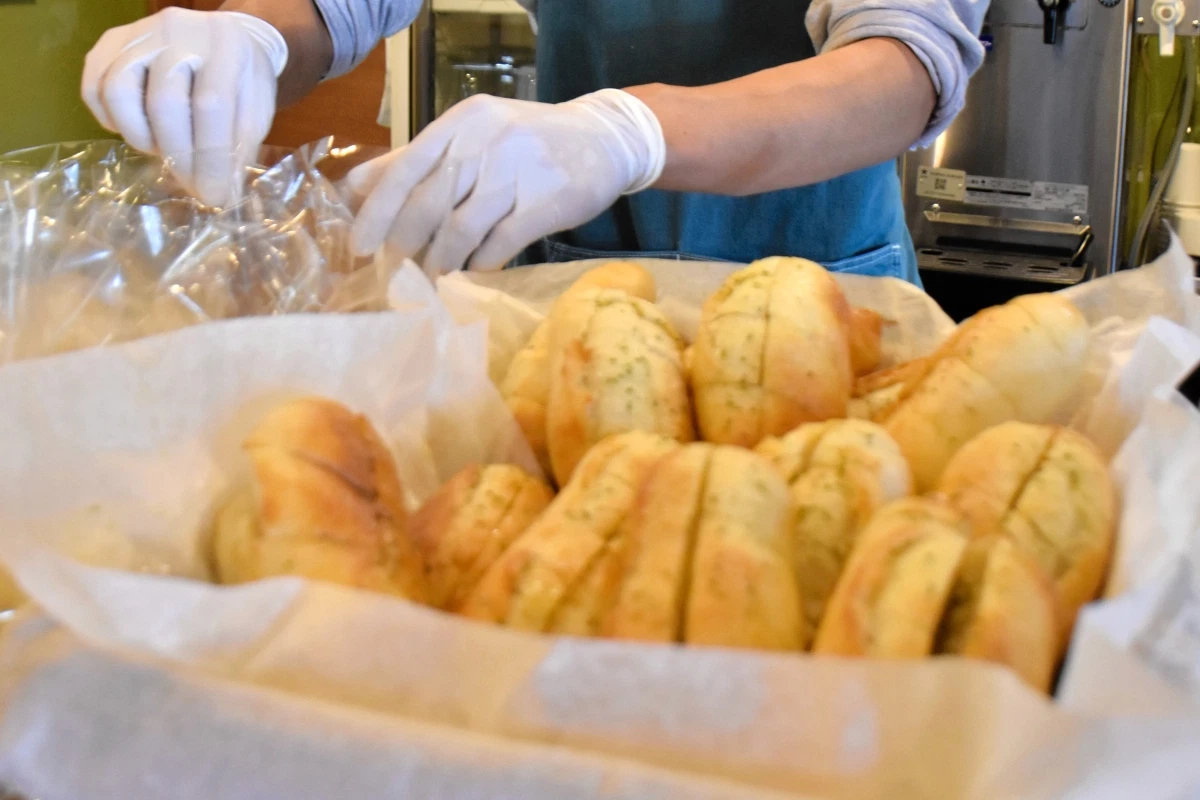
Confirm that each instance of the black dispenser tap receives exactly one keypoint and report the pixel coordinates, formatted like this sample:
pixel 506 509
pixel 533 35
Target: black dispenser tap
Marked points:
pixel 1054 18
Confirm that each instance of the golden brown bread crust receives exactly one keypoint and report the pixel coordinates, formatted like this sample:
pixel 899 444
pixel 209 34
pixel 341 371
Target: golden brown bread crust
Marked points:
pixel 659 537
pixel 891 596
pixel 325 503
pixel 772 352
pixel 1003 609
pixel 525 587
pixel 470 522
pixel 866 340
pixel 1048 490
pixel 589 600
pixel 526 385
pixel 876 404
pixel 742 589
pixel 896 377
pixel 624 276
pixel 1020 361
pixel 616 365
pixel 840 472
pixel 526 388
pixel 11 595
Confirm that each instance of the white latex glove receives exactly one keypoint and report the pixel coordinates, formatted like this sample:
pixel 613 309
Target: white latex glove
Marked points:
pixel 491 176
pixel 195 86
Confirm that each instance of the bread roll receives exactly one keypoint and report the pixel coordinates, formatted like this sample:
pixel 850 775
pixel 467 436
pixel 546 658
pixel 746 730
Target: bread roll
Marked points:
pixel 470 522
pixel 325 503
pixel 891 596
pixel 840 472
pixel 707 555
pixel 1049 491
pixel 773 351
pixel 743 590
pixel 659 537
pixel 1020 361
pixel 1003 609
pixel 526 386
pixel 525 587
pixel 616 365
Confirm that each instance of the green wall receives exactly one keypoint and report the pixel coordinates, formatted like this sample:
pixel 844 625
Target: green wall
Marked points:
pixel 41 60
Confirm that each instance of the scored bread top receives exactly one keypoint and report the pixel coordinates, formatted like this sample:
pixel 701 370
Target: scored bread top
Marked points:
pixel 772 352
pixel 616 365
pixel 470 521
pixel 890 598
pixel 526 385
pixel 659 538
pixel 1020 361
pixel 1003 609
pixel 840 473
pixel 525 586
pixel 1048 490
pixel 326 499
pixel 742 589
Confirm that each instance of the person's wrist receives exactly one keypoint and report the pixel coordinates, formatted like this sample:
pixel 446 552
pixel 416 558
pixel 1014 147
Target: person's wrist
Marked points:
pixel 274 45
pixel 639 132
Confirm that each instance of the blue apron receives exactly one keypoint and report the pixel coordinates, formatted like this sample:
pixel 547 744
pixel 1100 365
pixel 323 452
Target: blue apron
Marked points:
pixel 854 223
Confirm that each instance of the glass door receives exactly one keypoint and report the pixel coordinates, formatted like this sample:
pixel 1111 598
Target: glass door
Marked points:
pixel 456 49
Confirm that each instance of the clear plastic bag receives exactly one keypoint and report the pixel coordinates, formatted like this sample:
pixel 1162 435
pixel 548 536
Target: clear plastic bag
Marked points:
pixel 98 244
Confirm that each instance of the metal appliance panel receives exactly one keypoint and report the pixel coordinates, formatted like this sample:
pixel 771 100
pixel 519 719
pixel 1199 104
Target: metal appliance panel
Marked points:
pixel 1037 112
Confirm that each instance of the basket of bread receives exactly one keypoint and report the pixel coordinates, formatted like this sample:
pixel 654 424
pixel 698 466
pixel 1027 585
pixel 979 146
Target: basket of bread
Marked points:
pixel 609 530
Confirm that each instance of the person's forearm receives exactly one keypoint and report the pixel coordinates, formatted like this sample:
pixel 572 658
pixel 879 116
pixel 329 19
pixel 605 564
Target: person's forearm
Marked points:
pixel 793 125
pixel 310 48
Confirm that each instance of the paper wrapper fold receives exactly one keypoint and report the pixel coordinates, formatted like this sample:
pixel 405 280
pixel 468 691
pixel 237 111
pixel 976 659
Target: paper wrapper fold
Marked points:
pixel 132 683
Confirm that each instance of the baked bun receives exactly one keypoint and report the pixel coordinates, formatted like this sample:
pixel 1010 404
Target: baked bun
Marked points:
pixel 840 472
pixel 1003 609
pixel 890 598
pixel 773 351
pixel 707 555
pixel 526 385
pixel 324 503
pixel 659 539
pixel 1020 361
pixel 1048 490
pixel 552 564
pixel 743 585
pixel 470 522
pixel 616 365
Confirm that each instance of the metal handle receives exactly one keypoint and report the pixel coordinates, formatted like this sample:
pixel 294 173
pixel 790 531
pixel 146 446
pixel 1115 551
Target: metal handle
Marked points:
pixel 1054 14
pixel 1007 223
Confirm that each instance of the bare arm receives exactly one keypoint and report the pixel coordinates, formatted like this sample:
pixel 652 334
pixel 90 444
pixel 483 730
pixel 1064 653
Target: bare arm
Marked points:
pixel 796 124
pixel 310 46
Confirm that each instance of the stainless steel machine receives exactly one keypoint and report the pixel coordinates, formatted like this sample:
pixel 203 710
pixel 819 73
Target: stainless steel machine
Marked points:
pixel 1023 192
pixel 1028 189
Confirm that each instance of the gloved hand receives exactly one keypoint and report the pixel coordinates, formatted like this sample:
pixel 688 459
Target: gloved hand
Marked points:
pixel 492 176
pixel 195 86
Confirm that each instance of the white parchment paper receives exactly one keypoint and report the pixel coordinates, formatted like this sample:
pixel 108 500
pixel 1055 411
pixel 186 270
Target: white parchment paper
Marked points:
pixel 129 682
